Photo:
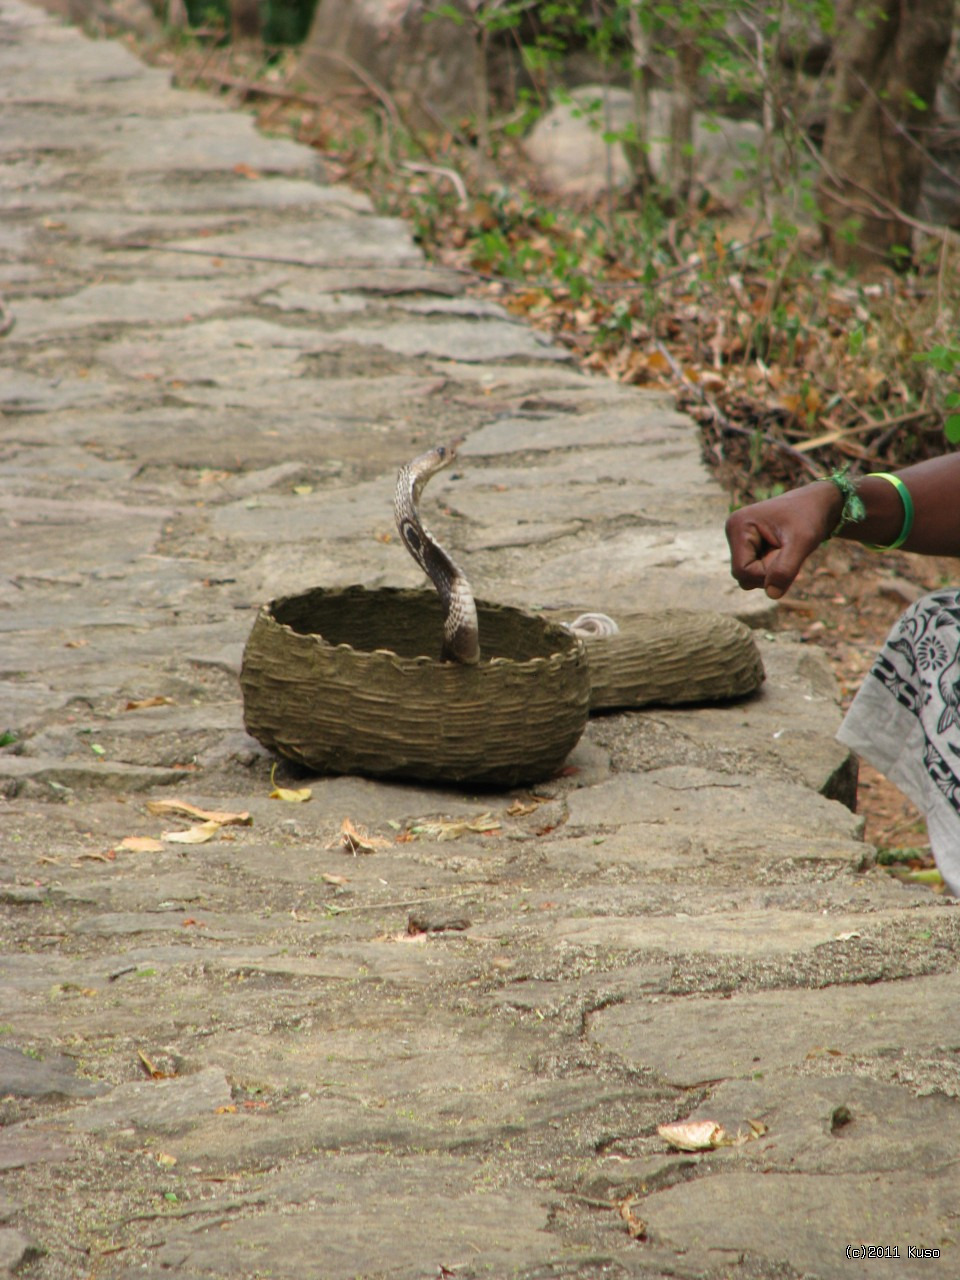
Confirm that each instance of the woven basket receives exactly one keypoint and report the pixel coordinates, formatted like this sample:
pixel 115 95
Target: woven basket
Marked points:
pixel 347 681
pixel 673 658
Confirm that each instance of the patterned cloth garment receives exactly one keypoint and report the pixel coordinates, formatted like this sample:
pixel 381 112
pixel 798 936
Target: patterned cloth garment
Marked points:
pixel 905 720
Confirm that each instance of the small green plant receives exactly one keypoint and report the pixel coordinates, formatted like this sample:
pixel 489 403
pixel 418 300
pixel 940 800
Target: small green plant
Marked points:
pixel 946 360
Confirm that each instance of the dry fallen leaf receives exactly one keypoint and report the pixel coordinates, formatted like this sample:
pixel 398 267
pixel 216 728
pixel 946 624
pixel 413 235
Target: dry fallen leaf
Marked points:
pixel 198 834
pixel 139 844
pixel 418 939
pixel 520 808
pixel 223 819
pixel 693 1135
pixel 819 1050
pixel 299 796
pixel 636 1227
pixel 450 829
pixel 353 839
pixel 153 1071
pixel 165 1160
pixel 329 878
pixel 141 704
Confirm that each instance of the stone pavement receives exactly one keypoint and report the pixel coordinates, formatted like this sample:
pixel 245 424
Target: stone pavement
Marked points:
pixel 234 1058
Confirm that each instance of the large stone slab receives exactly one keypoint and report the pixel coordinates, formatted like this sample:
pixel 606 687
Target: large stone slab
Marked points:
pixel 841 1124
pixel 648 419
pixel 44 1077
pixel 691 800
pixel 370 241
pixel 164 1106
pixel 480 340
pixel 643 570
pixel 155 302
pixel 751 933
pixel 805 1224
pixel 425 1219
pixel 761 1032
pixel 21 1147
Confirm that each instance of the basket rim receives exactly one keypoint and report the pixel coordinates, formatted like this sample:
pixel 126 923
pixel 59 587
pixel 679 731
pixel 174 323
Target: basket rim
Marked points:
pixel 570 647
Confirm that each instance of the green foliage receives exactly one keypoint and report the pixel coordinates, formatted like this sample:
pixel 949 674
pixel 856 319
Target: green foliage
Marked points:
pixel 747 323
pixel 283 21
pixel 946 360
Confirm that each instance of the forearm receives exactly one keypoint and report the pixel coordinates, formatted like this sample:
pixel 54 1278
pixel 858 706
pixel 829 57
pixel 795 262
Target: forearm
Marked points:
pixel 770 540
pixel 934 487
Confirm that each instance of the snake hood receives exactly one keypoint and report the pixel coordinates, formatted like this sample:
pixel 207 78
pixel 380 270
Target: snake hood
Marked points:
pixel 461 639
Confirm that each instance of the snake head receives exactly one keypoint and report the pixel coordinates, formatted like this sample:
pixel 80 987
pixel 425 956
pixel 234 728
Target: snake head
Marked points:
pixel 448 452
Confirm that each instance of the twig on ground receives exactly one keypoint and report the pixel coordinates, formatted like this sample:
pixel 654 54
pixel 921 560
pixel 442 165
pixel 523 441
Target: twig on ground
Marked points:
pixel 419 166
pixel 725 424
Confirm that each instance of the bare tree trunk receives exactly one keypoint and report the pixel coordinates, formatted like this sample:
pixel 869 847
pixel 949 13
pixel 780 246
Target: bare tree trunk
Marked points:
pixel 681 168
pixel 639 149
pixel 177 17
pixel 890 55
pixel 244 21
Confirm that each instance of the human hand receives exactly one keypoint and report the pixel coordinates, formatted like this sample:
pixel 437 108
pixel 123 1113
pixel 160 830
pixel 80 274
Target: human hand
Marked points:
pixel 770 540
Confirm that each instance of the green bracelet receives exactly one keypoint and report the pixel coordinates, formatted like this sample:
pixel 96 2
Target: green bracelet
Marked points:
pixel 853 509
pixel 907 501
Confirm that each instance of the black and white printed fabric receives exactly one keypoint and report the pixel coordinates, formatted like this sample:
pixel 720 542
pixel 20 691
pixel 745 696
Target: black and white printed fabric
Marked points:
pixel 905 721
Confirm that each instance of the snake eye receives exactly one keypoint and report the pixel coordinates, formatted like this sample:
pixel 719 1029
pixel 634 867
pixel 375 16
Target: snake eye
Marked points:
pixel 441 451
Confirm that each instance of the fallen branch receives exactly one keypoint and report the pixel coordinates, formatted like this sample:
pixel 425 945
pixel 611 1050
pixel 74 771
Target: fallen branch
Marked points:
pixel 839 434
pixel 418 166
pixel 724 423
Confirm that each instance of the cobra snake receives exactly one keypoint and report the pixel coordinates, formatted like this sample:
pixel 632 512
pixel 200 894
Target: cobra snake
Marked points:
pixel 461 637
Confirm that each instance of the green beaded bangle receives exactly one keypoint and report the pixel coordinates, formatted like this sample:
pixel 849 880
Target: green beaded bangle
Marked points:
pixel 907 501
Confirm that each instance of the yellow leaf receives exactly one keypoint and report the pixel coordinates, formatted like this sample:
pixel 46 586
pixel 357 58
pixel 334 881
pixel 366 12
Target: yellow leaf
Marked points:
pixel 198 834
pixel 445 829
pixel 224 819
pixel 153 1071
pixel 658 362
pixel 291 796
pixel 139 844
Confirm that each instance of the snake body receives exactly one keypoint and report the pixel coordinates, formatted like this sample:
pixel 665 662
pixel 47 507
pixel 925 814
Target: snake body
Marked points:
pixel 461 639
pixel 461 635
